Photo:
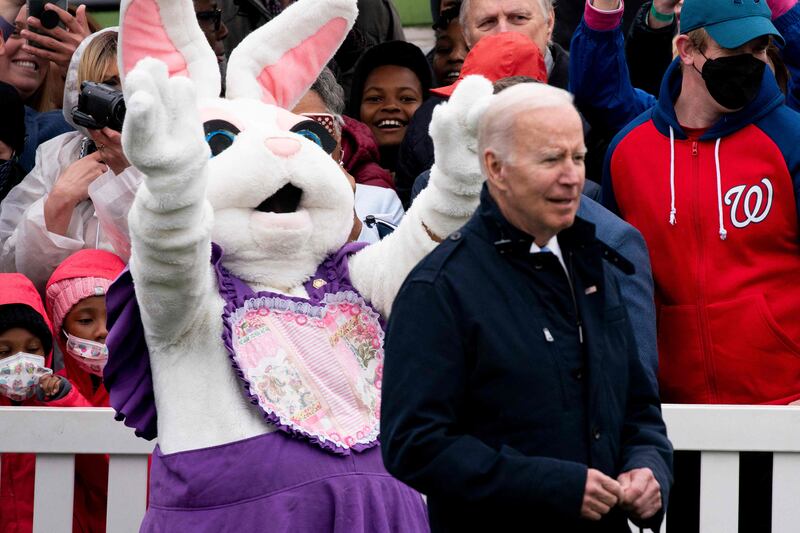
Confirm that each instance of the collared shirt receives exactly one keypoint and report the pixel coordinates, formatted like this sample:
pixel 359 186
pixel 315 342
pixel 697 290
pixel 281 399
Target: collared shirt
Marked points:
pixel 553 247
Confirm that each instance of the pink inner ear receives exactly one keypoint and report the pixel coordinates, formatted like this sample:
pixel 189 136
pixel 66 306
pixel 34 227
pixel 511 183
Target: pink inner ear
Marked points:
pixel 297 69
pixel 143 35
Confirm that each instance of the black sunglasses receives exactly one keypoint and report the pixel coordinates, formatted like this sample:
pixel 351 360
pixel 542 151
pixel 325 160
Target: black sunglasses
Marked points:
pixel 214 16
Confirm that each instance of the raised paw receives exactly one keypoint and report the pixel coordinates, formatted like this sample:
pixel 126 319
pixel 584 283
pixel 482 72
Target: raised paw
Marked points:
pixel 454 130
pixel 162 134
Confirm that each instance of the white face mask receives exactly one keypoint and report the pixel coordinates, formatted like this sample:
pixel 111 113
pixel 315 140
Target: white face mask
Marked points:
pixel 19 375
pixel 91 356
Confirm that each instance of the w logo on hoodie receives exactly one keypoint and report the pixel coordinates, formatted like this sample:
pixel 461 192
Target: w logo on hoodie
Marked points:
pixel 749 206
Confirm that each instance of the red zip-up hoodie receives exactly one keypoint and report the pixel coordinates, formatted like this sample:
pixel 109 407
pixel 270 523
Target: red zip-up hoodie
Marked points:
pixel 17 470
pixel 719 212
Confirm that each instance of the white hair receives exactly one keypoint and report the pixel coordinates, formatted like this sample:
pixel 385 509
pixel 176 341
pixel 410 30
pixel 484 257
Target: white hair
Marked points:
pixel 495 129
pixel 546 5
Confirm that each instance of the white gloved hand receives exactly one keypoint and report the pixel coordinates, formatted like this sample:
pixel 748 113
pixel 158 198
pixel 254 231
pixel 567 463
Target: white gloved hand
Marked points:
pixel 453 192
pixel 161 135
pixel 454 130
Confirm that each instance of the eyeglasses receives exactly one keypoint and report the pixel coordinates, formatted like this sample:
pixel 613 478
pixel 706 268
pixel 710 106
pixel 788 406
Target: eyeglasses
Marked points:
pixel 214 16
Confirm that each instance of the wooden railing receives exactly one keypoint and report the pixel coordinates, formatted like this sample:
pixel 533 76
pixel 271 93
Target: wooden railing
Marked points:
pixel 720 432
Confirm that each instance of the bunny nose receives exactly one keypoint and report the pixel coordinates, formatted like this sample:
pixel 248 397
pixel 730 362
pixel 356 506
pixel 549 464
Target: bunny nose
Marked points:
pixel 283 147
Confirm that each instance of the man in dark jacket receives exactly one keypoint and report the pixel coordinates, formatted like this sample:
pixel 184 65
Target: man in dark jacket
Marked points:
pixel 512 390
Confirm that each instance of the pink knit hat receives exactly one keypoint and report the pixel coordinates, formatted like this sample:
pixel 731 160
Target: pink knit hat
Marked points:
pixel 83 274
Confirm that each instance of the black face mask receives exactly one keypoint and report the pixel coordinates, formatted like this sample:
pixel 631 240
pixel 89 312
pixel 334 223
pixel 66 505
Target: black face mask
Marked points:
pixel 733 81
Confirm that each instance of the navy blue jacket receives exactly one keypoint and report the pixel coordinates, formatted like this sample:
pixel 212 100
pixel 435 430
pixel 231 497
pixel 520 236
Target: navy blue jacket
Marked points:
pixel 483 407
pixel 637 289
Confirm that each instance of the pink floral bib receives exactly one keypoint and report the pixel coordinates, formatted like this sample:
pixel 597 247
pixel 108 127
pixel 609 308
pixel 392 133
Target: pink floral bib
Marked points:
pixel 313 369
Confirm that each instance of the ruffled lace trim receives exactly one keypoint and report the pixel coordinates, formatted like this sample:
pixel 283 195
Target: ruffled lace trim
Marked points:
pixel 237 295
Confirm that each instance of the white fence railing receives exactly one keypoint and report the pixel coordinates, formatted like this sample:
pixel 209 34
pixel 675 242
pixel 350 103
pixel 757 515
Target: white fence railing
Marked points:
pixel 55 435
pixel 720 432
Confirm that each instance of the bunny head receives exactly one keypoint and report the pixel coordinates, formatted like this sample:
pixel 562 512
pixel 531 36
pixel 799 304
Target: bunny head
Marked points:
pixel 281 203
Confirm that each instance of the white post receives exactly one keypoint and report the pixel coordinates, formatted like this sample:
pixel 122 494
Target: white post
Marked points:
pixel 53 493
pixel 719 492
pixel 785 502
pixel 127 491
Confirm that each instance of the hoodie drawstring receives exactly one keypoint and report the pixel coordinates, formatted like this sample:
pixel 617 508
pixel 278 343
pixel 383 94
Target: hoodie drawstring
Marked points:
pixel 97 237
pixel 672 175
pixel 722 232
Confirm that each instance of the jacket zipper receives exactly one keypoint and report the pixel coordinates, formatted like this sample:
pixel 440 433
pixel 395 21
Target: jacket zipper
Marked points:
pixel 570 277
pixel 699 273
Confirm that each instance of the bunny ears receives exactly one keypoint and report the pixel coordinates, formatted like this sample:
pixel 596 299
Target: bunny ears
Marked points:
pixel 276 64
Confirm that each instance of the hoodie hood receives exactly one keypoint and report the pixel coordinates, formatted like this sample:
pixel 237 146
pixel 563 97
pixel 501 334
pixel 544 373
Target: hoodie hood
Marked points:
pixel 71 88
pixel 17 289
pixel 76 278
pixel 769 97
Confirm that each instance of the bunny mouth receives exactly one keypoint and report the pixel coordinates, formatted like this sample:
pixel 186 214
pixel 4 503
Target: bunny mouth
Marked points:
pixel 286 200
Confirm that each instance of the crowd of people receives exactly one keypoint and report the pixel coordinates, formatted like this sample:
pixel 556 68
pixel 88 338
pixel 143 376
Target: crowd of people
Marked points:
pixel 645 151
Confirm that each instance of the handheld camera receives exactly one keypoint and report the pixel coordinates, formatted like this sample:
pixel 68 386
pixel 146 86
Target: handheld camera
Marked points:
pixel 99 106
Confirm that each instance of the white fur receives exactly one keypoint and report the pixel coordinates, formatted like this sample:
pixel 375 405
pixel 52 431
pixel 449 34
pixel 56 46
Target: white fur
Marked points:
pixel 266 45
pixel 186 35
pixel 187 199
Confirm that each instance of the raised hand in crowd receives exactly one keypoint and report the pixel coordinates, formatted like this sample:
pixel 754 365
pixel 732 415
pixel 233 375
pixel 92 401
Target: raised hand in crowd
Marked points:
pixel 665 10
pixel 71 187
pixel 641 493
pixel 600 495
pixel 109 146
pixel 57 44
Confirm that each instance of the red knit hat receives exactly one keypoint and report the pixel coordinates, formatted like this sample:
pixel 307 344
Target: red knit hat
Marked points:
pixel 499 56
pixel 83 274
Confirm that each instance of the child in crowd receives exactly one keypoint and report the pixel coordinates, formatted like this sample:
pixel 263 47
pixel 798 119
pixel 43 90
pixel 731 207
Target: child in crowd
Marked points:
pixel 390 82
pixel 76 306
pixel 450 48
pixel 25 380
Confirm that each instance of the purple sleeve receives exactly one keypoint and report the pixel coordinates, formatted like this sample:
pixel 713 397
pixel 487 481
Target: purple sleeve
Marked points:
pixel 127 375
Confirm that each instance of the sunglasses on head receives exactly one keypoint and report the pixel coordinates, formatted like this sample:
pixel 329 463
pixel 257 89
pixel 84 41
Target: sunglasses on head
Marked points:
pixel 214 16
pixel 326 119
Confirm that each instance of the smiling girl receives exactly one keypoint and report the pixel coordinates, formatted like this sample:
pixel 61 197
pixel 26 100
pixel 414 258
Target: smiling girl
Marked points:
pixel 390 82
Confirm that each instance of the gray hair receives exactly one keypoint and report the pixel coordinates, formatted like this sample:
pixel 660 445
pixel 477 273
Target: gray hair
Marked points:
pixel 546 5
pixel 496 125
pixel 329 91
pixel 332 95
